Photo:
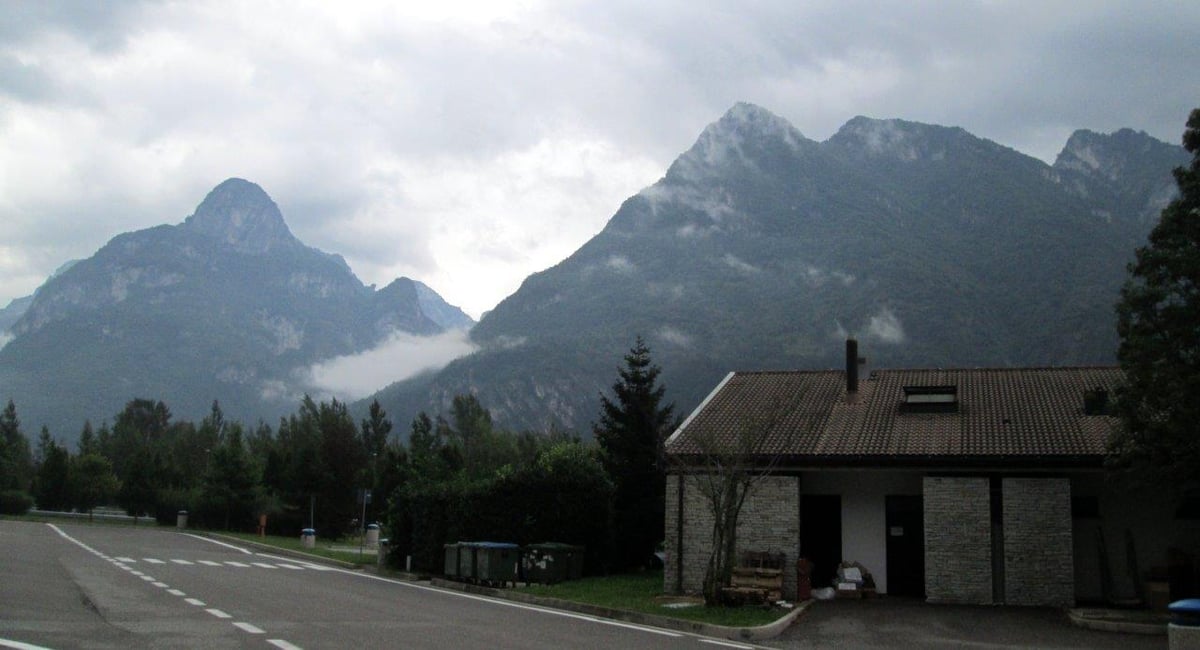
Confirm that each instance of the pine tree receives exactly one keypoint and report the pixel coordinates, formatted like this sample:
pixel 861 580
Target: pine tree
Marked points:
pixel 1157 320
pixel 631 432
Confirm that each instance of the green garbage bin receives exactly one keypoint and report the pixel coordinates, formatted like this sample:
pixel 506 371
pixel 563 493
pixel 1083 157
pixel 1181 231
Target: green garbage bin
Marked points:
pixel 450 568
pixel 466 561
pixel 551 562
pixel 496 563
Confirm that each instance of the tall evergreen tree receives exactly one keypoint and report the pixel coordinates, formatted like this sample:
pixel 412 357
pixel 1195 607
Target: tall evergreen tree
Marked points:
pixel 631 432
pixel 16 460
pixel 92 482
pixel 1157 320
pixel 53 487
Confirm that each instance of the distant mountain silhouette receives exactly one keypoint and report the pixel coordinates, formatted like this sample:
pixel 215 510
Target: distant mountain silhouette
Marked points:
pixel 763 249
pixel 227 305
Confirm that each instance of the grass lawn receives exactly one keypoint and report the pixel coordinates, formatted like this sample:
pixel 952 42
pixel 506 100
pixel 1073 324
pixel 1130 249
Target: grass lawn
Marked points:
pixel 322 548
pixel 643 592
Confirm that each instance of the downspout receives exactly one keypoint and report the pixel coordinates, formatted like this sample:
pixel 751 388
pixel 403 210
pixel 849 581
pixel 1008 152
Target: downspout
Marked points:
pixel 679 536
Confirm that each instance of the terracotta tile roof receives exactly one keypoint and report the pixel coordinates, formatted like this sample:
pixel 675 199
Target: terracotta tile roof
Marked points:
pixel 1002 413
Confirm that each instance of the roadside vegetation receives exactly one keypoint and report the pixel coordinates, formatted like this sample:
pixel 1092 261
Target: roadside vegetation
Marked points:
pixel 643 592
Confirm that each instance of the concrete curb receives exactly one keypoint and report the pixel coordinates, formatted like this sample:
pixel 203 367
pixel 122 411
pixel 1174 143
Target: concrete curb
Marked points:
pixel 300 555
pixel 1090 620
pixel 762 632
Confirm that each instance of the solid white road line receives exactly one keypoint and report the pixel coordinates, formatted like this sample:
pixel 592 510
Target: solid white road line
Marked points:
pixel 213 541
pixel 249 628
pixel 727 644
pixel 291 566
pixel 18 645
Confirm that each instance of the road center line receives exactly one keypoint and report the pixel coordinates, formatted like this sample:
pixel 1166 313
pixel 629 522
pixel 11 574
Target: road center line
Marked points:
pixel 252 629
pixel 194 601
pixel 218 613
pixel 283 645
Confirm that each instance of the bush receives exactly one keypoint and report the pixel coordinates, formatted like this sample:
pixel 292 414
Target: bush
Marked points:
pixel 15 502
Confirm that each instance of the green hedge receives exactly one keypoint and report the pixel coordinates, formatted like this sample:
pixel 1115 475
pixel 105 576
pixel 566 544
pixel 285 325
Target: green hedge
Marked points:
pixel 15 502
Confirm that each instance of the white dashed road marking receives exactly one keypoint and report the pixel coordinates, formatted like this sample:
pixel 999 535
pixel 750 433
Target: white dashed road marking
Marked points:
pixel 249 628
pixel 121 562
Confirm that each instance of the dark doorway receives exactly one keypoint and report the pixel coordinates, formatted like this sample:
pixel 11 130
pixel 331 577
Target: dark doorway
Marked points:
pixel 821 535
pixel 905 517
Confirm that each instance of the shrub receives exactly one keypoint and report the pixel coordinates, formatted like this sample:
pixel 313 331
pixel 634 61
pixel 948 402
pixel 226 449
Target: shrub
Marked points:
pixel 15 502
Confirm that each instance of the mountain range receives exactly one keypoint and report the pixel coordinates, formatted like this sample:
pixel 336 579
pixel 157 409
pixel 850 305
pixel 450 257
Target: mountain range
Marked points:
pixel 226 306
pixel 763 249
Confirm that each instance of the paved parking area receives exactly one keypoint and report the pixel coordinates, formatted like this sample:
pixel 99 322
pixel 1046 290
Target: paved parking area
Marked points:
pixel 903 623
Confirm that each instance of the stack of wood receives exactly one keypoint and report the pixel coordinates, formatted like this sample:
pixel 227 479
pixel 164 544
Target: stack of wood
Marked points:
pixel 757 579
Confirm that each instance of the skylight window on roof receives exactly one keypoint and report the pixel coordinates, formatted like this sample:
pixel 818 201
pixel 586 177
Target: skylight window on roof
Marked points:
pixel 930 399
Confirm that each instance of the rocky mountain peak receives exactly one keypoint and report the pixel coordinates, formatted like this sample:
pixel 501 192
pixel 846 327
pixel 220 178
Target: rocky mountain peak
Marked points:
pixel 241 214
pixel 896 139
pixel 737 139
pixel 1098 154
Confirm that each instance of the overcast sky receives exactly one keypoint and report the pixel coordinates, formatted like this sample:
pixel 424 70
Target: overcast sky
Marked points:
pixel 469 144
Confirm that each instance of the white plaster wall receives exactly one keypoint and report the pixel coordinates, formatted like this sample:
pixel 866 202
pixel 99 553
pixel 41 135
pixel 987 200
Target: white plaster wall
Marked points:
pixel 864 530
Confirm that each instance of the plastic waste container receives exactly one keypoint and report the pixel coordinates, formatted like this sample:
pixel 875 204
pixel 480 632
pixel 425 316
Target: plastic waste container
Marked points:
pixel 450 566
pixel 308 537
pixel 466 561
pixel 181 519
pixel 496 563
pixel 804 568
pixel 372 535
pixel 1183 632
pixel 549 562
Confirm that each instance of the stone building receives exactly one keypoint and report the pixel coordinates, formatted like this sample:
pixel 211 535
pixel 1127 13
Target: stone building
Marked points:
pixel 958 486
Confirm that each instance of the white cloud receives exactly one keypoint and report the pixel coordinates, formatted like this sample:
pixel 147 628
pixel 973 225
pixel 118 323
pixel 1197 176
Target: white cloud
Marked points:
pixel 469 144
pixel 885 327
pixel 620 264
pixel 736 263
pixel 400 357
pixel 5 337
pixel 675 336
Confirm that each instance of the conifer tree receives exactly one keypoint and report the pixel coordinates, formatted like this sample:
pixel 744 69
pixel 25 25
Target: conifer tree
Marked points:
pixel 630 433
pixel 1157 320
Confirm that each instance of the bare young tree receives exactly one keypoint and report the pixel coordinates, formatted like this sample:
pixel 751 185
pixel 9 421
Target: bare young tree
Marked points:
pixel 726 466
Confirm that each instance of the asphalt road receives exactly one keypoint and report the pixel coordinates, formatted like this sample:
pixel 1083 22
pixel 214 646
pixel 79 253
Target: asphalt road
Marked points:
pixel 79 586
pixel 891 623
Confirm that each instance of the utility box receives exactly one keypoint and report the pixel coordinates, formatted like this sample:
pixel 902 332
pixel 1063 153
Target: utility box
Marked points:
pixel 496 563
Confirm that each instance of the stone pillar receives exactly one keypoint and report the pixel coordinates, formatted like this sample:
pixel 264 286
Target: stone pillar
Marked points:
pixel 1039 564
pixel 958 542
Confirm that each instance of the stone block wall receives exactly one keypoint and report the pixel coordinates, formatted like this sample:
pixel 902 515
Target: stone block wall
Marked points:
pixel 958 540
pixel 1039 564
pixel 769 521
